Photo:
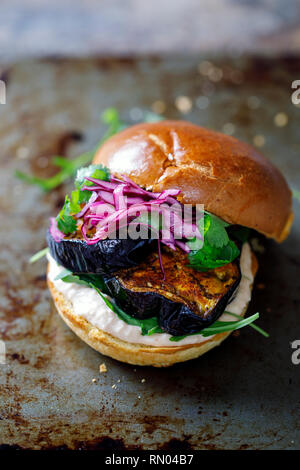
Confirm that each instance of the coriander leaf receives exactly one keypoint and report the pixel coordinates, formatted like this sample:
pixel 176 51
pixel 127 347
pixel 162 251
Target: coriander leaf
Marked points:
pixel 216 234
pixel 65 221
pixel 210 257
pixel 75 203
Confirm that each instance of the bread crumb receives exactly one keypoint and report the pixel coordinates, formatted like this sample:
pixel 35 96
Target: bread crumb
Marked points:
pixel 143 381
pixel 102 368
pixel 94 380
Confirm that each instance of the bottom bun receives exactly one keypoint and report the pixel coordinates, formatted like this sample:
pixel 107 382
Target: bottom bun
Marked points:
pixel 133 353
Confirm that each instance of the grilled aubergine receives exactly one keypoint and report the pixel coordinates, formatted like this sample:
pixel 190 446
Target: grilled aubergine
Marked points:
pixel 185 302
pixel 105 256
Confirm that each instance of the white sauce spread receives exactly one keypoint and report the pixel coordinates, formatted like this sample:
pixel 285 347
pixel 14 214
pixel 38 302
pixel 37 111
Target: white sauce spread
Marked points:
pixel 87 303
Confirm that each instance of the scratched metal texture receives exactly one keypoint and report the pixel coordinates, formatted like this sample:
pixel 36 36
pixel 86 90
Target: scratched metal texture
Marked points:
pixel 242 395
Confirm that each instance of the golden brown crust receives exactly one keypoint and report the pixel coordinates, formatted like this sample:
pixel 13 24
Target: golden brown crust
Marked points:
pixel 229 177
pixel 132 353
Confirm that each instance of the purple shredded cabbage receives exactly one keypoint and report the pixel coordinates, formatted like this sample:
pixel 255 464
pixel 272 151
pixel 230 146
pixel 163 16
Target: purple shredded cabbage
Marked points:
pixel 118 203
pixel 54 230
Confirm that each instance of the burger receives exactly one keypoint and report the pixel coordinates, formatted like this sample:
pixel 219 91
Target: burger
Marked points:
pixel 149 260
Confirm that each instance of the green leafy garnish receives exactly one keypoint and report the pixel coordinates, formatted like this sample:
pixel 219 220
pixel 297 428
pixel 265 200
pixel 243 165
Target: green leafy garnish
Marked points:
pixel 214 231
pixel 65 220
pixel 224 326
pixel 69 167
pixel 80 196
pixel 95 171
pixel 210 257
pixel 217 249
pixel 255 327
pixel 76 201
pixel 40 254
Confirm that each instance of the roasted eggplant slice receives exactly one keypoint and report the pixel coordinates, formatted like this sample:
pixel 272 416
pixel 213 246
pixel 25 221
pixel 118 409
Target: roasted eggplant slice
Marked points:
pixel 103 257
pixel 185 302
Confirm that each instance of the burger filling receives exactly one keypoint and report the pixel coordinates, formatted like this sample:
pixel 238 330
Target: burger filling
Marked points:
pixel 86 302
pixel 176 282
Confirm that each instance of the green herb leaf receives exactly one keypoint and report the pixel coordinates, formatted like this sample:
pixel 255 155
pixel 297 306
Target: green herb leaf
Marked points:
pixel 217 249
pixel 216 234
pixel 88 280
pixel 40 254
pixel 255 327
pixel 95 171
pixel 75 203
pixel 210 257
pixel 148 326
pixel 65 221
pixel 64 273
pixel 224 326
pixel 82 197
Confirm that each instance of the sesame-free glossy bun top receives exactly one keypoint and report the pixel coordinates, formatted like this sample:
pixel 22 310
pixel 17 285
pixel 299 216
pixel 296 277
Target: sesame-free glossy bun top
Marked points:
pixel 229 177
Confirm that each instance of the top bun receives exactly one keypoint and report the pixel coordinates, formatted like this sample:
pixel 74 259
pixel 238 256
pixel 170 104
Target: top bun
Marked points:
pixel 230 178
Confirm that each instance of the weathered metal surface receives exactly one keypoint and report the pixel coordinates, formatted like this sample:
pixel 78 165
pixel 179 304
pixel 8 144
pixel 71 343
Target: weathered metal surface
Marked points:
pixel 244 394
pixel 78 28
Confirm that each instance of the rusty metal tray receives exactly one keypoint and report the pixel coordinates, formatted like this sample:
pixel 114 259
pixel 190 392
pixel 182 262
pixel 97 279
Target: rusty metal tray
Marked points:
pixel 243 395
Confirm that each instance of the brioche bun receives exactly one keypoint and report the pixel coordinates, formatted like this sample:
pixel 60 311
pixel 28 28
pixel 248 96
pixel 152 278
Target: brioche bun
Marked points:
pixel 133 353
pixel 229 177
